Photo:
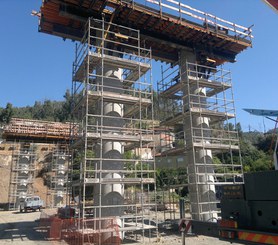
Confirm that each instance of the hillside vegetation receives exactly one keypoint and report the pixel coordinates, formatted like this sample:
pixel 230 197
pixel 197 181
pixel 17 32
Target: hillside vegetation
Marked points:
pixel 256 149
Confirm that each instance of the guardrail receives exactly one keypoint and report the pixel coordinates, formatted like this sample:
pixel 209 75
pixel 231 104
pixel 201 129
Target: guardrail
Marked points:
pixel 209 21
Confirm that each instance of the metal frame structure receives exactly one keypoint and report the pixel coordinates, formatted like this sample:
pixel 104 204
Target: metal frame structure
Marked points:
pixel 22 173
pixel 31 132
pixel 113 112
pixel 198 103
pixel 59 186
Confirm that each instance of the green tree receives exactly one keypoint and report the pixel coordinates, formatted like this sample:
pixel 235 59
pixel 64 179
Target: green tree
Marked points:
pixel 264 143
pixel 47 110
pixel 7 114
pixel 65 112
pixel 239 130
pixel 265 162
pixel 253 158
pixel 37 110
pixel 171 176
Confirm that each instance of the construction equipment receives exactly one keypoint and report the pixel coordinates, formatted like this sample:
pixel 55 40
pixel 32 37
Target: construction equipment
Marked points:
pixel 249 212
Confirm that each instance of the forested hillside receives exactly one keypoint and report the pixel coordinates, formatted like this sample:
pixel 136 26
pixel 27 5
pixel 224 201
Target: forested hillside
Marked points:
pixel 41 110
pixel 256 147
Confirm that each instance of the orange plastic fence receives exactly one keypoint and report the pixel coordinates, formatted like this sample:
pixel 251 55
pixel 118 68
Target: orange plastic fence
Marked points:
pixel 78 232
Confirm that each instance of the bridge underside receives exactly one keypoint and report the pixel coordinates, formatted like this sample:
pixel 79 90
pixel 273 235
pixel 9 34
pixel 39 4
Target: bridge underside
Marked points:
pixel 164 33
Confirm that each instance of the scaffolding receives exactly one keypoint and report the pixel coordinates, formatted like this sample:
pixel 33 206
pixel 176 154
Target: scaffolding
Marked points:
pixel 199 114
pixel 36 130
pixel 198 103
pixel 22 173
pixel 59 184
pixel 113 168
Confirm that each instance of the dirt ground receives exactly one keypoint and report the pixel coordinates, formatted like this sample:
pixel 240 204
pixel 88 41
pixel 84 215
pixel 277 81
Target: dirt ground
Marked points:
pixel 23 228
pixel 5 170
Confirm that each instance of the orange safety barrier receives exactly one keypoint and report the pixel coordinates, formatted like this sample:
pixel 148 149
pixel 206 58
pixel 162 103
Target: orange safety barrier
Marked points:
pixel 259 238
pixel 55 229
pixel 75 231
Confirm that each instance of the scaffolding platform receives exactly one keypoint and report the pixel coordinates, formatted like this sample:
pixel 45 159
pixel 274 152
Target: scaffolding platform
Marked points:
pixel 214 115
pixel 213 146
pixel 216 164
pixel 120 137
pixel 119 98
pixel 214 86
pixel 171 90
pixel 119 181
pixel 136 68
pixel 95 137
pixel 135 103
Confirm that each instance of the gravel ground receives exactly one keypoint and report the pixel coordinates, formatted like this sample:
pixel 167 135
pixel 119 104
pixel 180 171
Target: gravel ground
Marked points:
pixel 23 228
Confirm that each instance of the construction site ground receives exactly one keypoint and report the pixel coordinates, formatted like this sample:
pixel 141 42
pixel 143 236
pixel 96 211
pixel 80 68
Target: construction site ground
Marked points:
pixel 24 228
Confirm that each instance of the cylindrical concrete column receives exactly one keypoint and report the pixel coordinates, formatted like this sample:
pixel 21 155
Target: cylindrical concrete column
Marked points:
pixel 24 176
pixel 110 194
pixel 60 180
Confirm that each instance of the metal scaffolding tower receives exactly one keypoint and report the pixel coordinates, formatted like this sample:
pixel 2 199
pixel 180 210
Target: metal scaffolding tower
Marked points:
pixel 112 89
pixel 192 42
pixel 198 103
pixel 22 173
pixel 59 175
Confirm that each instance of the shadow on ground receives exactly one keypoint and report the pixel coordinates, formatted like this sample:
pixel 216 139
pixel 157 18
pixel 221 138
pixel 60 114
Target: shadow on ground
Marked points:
pixel 21 231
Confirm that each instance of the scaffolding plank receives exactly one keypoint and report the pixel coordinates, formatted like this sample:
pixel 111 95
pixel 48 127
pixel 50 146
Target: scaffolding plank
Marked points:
pixel 215 86
pixel 214 146
pixel 95 60
pixel 119 98
pixel 120 137
pixel 119 180
pixel 172 89
pixel 209 83
pixel 213 114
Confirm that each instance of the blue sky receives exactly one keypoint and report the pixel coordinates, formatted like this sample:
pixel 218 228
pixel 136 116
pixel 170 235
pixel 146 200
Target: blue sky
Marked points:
pixel 35 66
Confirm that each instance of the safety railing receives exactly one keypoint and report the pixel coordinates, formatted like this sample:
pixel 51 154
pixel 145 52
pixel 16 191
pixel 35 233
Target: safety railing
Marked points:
pixel 208 21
